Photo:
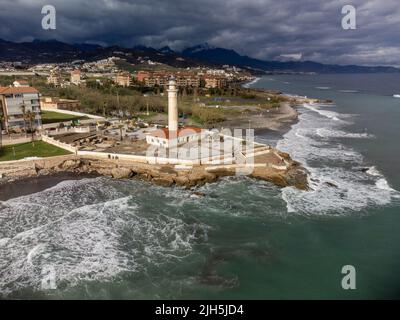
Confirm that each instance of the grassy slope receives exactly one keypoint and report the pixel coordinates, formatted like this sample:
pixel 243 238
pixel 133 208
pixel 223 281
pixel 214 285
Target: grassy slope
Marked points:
pixel 54 117
pixel 24 150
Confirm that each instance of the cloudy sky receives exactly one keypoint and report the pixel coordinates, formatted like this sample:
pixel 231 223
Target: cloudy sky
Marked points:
pixel 266 29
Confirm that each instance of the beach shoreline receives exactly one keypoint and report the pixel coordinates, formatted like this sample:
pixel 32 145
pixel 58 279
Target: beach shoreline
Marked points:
pixel 29 185
pixel 278 119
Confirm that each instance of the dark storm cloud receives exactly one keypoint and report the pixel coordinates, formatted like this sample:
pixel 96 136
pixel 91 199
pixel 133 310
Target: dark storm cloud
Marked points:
pixel 266 29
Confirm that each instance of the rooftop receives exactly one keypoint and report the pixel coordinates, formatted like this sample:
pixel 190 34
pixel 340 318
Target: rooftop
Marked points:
pixel 16 90
pixel 165 133
pixel 21 81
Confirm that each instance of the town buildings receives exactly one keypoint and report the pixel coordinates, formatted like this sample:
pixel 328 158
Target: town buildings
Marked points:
pixel 183 79
pixel 161 78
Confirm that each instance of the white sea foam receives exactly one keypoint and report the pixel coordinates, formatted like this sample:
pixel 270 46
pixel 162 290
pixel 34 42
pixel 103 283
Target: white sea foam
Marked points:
pixel 349 91
pixel 329 133
pixel 338 186
pixel 249 84
pixel 373 171
pixel 383 184
pixel 326 113
pixel 87 230
pixel 323 88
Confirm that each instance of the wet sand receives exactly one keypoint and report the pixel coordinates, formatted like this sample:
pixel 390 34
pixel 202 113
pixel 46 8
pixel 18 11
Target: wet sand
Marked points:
pixel 28 186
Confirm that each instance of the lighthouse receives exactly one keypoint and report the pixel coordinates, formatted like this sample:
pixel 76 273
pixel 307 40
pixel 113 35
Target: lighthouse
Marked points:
pixel 173 136
pixel 172 108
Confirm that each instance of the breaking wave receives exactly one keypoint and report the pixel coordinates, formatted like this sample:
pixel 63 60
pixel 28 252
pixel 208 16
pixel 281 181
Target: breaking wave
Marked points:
pixel 323 88
pixel 338 184
pixel 253 82
pixel 325 113
pixel 328 133
pixel 88 230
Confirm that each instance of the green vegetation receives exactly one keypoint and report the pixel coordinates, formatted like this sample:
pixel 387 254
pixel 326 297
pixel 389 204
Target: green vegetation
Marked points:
pixel 208 115
pixel 24 150
pixel 55 117
pixel 107 99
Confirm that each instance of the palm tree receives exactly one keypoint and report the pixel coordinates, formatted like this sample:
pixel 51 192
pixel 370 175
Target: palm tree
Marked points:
pixel 120 126
pixel 31 117
pixel 23 109
pixel 2 118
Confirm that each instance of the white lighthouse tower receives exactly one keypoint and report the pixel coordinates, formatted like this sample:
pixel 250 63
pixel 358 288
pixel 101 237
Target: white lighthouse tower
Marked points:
pixel 172 108
pixel 173 136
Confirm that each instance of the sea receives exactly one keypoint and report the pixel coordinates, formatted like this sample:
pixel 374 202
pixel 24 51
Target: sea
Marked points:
pixel 98 238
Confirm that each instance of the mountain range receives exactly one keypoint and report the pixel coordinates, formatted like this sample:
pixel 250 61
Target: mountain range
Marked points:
pixel 42 51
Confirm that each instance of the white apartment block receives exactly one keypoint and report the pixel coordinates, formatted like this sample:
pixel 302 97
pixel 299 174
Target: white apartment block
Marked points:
pixel 14 101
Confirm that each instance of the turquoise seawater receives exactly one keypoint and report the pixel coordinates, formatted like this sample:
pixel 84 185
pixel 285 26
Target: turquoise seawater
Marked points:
pixel 244 239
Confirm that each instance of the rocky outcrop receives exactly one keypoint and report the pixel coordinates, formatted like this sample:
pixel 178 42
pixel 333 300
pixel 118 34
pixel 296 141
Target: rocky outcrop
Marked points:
pixel 162 175
pixel 121 173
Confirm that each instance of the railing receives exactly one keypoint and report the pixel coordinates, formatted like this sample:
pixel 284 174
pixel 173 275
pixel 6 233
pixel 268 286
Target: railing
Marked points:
pixel 59 144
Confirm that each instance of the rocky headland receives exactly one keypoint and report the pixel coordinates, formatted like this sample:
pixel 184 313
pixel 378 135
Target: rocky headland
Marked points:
pixel 164 175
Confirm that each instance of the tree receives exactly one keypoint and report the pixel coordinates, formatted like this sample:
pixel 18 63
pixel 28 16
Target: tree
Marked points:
pixel 2 118
pixel 120 126
pixel 30 117
pixel 23 110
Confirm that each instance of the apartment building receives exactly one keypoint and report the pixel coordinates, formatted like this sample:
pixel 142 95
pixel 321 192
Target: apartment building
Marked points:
pixel 17 101
pixel 212 82
pixel 54 78
pixel 123 79
pixel 76 77
pixel 161 78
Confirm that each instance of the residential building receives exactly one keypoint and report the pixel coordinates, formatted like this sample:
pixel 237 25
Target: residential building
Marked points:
pixel 20 83
pixel 123 79
pixel 142 75
pixel 17 101
pixel 54 103
pixel 161 78
pixel 76 77
pixel 55 78
pixel 215 82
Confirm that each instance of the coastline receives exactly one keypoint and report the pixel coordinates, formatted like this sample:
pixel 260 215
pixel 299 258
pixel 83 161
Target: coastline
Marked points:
pixel 274 119
pixel 29 185
pixel 44 173
pixel 165 175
